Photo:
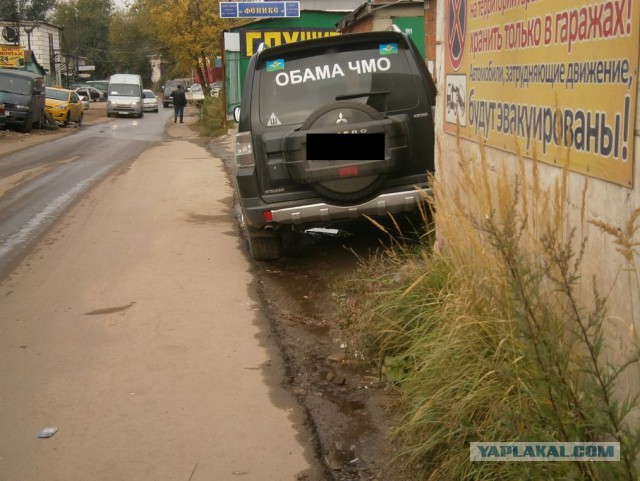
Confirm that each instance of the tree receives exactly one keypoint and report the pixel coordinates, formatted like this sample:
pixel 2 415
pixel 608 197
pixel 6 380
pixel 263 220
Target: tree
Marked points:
pixel 188 30
pixel 130 44
pixel 26 10
pixel 86 31
pixel 9 11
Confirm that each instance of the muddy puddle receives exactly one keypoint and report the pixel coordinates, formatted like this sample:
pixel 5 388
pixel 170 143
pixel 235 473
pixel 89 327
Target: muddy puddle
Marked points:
pixel 347 402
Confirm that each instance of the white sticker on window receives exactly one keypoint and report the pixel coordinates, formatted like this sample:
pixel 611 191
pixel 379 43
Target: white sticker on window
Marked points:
pixel 324 72
pixel 273 120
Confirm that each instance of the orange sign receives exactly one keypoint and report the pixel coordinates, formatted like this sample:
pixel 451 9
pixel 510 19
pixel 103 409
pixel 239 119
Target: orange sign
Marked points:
pixel 11 56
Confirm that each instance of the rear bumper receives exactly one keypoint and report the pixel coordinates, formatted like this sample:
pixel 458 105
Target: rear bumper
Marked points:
pixel 384 204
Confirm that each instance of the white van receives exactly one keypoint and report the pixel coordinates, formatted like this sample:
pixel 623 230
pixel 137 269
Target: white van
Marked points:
pixel 125 95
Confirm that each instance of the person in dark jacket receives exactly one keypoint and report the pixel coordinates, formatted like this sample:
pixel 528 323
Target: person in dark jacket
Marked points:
pixel 179 101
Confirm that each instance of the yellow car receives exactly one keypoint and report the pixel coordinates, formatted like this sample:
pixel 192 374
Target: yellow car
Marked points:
pixel 63 105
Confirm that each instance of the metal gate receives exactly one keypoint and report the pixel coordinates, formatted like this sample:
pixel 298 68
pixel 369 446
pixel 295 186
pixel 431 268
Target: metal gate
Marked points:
pixel 232 81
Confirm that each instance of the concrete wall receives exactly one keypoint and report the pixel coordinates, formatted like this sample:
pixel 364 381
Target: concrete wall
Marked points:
pixel 430 32
pixel 606 201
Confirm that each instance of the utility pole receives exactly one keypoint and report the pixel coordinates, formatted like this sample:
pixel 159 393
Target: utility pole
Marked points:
pixel 66 60
pixel 28 31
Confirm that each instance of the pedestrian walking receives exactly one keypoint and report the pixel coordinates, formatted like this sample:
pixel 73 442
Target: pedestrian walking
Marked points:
pixel 179 101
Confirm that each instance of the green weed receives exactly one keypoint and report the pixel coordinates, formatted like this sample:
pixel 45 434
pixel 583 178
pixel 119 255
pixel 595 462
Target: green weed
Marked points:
pixel 212 117
pixel 488 334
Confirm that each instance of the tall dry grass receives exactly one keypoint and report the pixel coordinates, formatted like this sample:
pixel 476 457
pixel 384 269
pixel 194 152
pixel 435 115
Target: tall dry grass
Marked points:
pixel 488 334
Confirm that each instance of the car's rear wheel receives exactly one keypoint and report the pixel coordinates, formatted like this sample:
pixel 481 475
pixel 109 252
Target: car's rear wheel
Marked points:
pixel 80 119
pixel 67 119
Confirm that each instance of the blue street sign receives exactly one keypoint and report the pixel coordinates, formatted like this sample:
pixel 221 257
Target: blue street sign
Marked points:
pixel 259 9
pixel 228 9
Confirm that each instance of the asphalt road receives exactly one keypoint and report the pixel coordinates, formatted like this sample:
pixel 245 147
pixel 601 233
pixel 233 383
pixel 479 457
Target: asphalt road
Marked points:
pixel 129 318
pixel 40 182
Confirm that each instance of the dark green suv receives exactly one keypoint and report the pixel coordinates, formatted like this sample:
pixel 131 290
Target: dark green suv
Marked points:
pixel 332 129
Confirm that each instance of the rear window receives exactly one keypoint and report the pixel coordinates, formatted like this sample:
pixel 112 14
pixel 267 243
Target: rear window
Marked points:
pixel 293 85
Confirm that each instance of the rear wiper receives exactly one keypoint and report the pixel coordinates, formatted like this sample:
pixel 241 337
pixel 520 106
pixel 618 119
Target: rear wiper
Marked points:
pixel 362 94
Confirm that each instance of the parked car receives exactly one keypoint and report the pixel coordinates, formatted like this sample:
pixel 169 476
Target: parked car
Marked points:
pixel 101 85
pixel 64 105
pixel 195 93
pixel 332 129
pixel 85 102
pixel 149 101
pixel 92 93
pixel 3 117
pixel 22 94
pixel 215 88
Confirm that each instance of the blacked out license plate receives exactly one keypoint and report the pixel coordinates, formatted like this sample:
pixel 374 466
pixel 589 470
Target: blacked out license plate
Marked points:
pixel 345 146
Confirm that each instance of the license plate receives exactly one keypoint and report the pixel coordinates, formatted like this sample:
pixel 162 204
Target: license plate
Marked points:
pixel 345 146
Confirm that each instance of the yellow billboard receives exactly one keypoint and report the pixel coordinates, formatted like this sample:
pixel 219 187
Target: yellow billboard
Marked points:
pixel 11 56
pixel 548 79
pixel 251 39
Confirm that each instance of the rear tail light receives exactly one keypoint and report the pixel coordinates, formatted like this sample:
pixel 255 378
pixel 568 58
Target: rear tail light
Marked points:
pixel 244 150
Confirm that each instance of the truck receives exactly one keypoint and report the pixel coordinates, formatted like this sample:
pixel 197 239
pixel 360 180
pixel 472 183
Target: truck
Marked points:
pixel 23 96
pixel 124 96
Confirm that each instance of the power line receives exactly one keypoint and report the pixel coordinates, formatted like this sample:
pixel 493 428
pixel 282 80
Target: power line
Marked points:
pixel 104 50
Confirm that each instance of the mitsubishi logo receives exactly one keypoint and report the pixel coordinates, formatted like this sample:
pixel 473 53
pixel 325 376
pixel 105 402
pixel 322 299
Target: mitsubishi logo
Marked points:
pixel 341 119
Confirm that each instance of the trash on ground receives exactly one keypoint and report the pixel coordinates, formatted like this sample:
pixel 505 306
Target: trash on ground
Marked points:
pixel 47 432
pixel 322 230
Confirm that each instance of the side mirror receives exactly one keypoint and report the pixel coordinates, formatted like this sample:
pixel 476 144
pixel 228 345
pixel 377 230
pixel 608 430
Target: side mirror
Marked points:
pixel 236 114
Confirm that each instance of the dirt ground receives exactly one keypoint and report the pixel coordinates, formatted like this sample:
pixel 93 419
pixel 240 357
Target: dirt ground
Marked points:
pixel 347 406
pixel 134 328
pixel 12 140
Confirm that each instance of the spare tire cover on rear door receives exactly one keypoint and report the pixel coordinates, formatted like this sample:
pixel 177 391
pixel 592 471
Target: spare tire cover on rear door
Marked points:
pixel 342 116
